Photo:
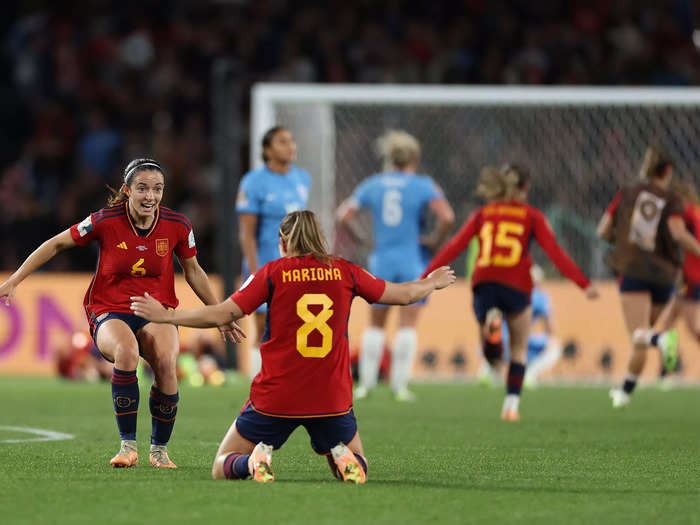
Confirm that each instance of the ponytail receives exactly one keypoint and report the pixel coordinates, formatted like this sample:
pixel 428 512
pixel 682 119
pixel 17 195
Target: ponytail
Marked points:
pixel 654 164
pixel 116 197
pixel 501 184
pixel 301 232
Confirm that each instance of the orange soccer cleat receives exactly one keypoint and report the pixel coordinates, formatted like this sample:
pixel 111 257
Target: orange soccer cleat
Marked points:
pixel 159 457
pixel 259 463
pixel 348 466
pixel 127 455
pixel 493 330
pixel 510 415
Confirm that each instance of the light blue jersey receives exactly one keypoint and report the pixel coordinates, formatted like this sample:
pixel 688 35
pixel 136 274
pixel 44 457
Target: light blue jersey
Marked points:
pixel 271 196
pixel 541 309
pixel 397 202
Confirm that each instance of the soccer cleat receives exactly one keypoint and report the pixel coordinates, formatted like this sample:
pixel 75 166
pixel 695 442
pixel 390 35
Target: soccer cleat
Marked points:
pixel 493 332
pixel 668 343
pixel 348 465
pixel 510 415
pixel 159 457
pixel 360 392
pixel 127 455
pixel 404 395
pixel 259 463
pixel 620 398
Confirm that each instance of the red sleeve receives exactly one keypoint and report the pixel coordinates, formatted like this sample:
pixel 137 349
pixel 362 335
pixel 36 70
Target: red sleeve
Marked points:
pixel 367 286
pixel 613 205
pixel 455 245
pixel 86 231
pixel 545 237
pixel 186 247
pixel 254 291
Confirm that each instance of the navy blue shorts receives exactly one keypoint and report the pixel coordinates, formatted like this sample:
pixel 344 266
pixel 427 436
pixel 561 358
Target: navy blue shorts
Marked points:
pixel 494 295
pixel 660 293
pixel 325 432
pixel 691 292
pixel 133 321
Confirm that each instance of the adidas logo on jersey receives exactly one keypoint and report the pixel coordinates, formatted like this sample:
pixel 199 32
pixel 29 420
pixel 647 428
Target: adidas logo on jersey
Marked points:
pixel 122 245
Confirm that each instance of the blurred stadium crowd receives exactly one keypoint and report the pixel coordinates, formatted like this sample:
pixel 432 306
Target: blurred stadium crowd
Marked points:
pixel 89 85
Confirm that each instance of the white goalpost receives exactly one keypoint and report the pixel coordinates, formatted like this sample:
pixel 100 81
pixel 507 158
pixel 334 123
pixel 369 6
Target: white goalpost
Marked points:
pixel 580 144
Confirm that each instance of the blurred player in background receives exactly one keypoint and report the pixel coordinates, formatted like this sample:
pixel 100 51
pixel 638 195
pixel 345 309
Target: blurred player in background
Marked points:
pixel 397 199
pixel 645 224
pixel 686 303
pixel 265 196
pixel 137 238
pixel 305 378
pixel 543 349
pixel 501 282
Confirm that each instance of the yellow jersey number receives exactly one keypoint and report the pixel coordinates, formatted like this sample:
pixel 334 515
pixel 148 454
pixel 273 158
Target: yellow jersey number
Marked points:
pixel 506 237
pixel 137 270
pixel 314 322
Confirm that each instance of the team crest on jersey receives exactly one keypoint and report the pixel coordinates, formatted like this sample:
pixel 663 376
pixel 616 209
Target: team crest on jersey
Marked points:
pixel 162 247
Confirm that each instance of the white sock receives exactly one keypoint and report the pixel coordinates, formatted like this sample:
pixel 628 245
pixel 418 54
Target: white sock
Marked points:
pixel 371 356
pixel 544 361
pixel 642 336
pixel 511 402
pixel 402 358
pixel 255 362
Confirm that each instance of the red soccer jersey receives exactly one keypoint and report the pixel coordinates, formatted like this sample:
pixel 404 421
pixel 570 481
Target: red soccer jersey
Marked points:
pixel 691 264
pixel 305 356
pixel 129 263
pixel 505 230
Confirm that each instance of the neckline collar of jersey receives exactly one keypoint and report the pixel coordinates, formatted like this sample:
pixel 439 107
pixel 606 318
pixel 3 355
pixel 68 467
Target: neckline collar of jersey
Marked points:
pixel 149 230
pixel 291 167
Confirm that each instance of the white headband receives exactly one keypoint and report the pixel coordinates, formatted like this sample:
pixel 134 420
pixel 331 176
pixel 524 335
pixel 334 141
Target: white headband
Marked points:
pixel 139 166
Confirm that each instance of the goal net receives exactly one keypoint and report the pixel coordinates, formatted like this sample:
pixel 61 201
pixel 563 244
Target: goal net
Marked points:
pixel 580 145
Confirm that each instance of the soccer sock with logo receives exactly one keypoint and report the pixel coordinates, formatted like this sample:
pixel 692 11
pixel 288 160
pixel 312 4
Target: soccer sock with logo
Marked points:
pixel 630 383
pixel 163 412
pixel 371 356
pixel 236 466
pixel 402 358
pixel 125 397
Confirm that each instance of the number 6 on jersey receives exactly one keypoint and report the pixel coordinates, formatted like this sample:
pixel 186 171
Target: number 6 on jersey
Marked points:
pixel 314 322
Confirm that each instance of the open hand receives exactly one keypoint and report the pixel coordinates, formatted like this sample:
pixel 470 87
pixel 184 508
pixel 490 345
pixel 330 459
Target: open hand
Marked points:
pixel 232 332
pixel 148 308
pixel 592 292
pixel 7 292
pixel 442 277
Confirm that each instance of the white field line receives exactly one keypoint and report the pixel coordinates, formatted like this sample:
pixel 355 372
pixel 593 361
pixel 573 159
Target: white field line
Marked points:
pixel 44 435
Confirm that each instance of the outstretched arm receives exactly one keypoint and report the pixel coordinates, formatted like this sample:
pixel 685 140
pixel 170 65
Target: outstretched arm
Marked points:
pixel 198 280
pixel 454 246
pixel 202 317
pixel 38 257
pixel 408 293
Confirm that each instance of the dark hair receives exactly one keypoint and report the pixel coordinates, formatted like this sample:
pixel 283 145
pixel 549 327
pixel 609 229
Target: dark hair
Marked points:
pixel 267 139
pixel 134 167
pixel 654 164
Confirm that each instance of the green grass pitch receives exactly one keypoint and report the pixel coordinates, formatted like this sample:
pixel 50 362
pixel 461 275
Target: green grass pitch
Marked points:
pixel 445 459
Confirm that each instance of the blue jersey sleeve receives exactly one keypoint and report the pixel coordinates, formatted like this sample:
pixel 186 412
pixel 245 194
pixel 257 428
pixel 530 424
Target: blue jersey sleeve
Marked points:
pixel 541 304
pixel 250 195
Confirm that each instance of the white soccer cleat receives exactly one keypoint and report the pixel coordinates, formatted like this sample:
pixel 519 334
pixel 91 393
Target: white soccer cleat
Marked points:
pixel 259 463
pixel 360 392
pixel 620 398
pixel 404 395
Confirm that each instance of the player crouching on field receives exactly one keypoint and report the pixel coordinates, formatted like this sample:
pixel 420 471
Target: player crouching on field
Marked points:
pixel 305 377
